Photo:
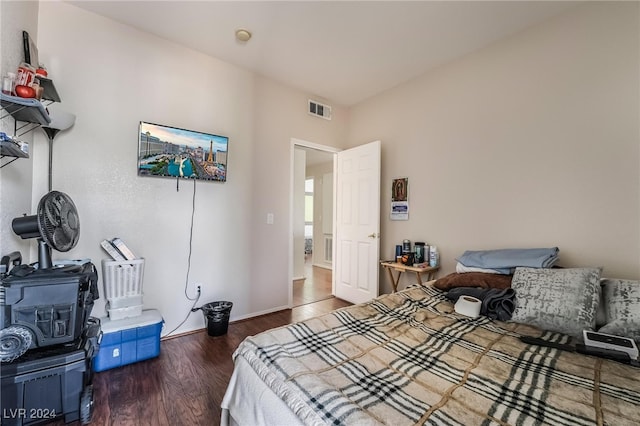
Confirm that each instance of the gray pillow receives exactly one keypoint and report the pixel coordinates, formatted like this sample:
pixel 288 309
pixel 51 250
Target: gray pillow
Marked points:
pixel 622 308
pixel 561 300
pixel 601 315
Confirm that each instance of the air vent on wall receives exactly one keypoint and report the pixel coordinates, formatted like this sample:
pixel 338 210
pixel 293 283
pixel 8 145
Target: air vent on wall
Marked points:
pixel 328 248
pixel 319 110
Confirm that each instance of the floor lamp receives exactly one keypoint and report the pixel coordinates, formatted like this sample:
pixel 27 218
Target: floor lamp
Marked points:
pixel 60 120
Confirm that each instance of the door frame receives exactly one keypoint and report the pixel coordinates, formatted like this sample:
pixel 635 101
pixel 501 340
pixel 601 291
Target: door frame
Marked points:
pixel 331 150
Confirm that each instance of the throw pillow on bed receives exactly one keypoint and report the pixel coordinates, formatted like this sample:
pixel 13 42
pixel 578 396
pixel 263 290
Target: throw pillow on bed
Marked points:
pixel 622 308
pixel 561 300
pixel 473 279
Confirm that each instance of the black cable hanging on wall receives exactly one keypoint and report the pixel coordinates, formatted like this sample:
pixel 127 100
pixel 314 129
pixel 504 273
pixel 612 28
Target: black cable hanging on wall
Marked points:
pixel 186 282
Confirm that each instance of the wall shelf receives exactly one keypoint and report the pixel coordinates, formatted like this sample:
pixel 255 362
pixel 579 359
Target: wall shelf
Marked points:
pixel 11 149
pixel 29 111
pixel 25 109
pixel 50 93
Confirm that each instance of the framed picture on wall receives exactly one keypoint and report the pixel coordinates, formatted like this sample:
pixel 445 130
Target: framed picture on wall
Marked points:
pixel 399 189
pixel 399 199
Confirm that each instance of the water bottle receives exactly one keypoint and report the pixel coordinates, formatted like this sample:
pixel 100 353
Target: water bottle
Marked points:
pixel 434 256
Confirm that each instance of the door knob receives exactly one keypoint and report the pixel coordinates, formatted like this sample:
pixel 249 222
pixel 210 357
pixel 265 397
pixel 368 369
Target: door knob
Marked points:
pixel 374 235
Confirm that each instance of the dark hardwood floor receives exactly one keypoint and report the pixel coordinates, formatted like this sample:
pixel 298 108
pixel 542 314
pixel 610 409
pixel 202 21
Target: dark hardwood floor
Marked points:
pixel 316 286
pixel 186 383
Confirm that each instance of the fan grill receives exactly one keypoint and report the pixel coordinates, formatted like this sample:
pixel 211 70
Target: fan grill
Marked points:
pixel 58 221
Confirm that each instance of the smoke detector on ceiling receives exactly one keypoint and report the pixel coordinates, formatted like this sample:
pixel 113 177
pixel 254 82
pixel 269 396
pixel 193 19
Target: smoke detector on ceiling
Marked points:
pixel 243 35
pixel 319 110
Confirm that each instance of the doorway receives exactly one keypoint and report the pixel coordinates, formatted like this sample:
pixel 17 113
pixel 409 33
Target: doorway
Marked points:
pixel 312 223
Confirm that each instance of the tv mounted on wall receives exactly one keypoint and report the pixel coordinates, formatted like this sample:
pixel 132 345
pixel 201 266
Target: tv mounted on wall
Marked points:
pixel 167 151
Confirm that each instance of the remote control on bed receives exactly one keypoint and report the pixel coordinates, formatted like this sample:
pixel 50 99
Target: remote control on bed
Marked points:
pixel 612 354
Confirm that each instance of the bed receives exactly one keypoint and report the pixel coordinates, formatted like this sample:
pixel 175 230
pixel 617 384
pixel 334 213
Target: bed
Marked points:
pixel 407 358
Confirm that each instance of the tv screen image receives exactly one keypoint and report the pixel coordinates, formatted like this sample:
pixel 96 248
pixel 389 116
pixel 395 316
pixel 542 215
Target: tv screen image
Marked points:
pixel 167 151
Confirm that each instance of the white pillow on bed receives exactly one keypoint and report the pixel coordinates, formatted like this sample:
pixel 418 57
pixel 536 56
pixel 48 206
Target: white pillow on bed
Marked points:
pixel 622 308
pixel 562 300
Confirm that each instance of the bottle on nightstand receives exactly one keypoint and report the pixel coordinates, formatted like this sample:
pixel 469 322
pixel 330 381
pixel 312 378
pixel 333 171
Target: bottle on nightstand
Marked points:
pixel 434 256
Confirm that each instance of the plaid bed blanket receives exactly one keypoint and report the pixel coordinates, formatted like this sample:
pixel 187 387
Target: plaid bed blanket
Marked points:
pixel 407 358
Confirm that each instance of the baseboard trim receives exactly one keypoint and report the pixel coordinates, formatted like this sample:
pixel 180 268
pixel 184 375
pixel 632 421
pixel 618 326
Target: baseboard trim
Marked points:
pixel 323 266
pixel 259 314
pixel 231 321
pixel 186 333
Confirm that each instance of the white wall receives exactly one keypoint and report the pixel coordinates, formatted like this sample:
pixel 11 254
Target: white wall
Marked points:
pixel 112 76
pixel 279 118
pixel 15 179
pixel 531 142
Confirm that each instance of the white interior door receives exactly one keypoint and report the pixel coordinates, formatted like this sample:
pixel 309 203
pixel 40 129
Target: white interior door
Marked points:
pixel 357 235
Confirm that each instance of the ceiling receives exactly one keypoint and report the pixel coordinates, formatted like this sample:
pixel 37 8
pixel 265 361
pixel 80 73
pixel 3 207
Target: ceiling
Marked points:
pixel 343 52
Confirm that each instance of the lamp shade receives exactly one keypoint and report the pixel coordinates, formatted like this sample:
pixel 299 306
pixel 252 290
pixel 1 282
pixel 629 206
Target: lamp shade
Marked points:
pixel 60 119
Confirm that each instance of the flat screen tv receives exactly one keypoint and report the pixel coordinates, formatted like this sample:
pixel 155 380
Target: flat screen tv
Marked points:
pixel 166 151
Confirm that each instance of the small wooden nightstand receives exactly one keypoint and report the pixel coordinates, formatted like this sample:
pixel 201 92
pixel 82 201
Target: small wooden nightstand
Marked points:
pixel 429 272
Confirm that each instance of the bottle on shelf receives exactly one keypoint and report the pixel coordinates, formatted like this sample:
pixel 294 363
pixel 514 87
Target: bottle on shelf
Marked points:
pixel 39 90
pixel 9 84
pixel 399 253
pixel 41 71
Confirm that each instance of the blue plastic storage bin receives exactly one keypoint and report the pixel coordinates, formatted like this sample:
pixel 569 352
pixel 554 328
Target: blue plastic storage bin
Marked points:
pixel 129 340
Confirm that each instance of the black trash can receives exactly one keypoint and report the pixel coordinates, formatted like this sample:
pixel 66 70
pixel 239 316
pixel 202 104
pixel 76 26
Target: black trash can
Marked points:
pixel 216 316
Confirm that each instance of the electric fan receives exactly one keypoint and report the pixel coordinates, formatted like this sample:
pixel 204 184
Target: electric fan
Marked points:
pixel 56 225
pixel 48 307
